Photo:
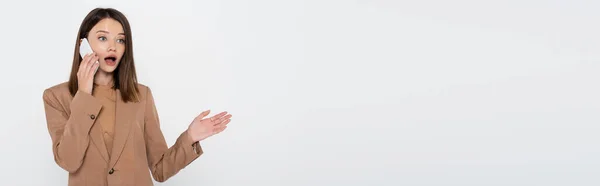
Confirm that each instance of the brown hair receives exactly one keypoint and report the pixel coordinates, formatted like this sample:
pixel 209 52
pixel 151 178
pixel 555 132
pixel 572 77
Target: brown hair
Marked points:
pixel 124 76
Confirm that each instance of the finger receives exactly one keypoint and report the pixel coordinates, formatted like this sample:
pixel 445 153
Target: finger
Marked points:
pixel 219 130
pixel 93 69
pixel 83 63
pixel 216 117
pixel 224 123
pixel 220 120
pixel 86 63
pixel 91 62
pixel 97 67
pixel 203 114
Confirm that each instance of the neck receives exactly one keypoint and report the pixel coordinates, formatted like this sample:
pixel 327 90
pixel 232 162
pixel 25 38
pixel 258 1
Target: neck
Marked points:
pixel 103 78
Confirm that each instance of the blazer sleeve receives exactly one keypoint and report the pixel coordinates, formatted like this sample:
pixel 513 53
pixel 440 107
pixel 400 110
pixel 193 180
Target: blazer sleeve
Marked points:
pixel 164 162
pixel 70 132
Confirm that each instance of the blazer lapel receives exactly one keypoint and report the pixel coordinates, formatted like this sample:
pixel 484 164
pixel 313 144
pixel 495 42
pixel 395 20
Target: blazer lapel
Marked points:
pixel 98 140
pixel 123 121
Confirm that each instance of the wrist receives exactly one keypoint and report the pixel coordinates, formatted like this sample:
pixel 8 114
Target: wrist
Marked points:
pixel 190 136
pixel 85 91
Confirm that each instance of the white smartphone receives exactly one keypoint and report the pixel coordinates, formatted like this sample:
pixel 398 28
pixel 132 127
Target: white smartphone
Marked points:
pixel 85 48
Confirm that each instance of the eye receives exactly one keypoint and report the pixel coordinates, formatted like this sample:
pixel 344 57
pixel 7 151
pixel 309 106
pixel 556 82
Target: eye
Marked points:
pixel 121 40
pixel 102 38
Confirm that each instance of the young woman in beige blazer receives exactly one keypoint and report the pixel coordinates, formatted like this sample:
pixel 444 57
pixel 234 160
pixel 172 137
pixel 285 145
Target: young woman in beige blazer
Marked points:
pixel 104 126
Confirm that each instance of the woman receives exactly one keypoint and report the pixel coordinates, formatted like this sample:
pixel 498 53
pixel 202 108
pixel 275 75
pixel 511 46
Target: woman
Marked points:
pixel 104 125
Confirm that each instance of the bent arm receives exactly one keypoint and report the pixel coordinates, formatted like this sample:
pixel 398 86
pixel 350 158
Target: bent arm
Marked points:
pixel 70 133
pixel 165 162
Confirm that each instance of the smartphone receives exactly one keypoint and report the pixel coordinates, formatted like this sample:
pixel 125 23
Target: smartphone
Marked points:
pixel 85 48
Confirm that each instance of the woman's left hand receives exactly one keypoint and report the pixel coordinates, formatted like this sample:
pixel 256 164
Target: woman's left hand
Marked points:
pixel 202 128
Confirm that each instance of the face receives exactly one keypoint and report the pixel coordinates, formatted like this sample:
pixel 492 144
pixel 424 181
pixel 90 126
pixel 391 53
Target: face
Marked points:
pixel 107 39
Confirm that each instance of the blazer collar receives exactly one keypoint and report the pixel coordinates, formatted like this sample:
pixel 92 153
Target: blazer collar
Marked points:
pixel 124 117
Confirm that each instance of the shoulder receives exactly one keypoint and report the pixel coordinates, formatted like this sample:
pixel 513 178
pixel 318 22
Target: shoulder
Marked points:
pixel 144 91
pixel 59 90
pixel 58 93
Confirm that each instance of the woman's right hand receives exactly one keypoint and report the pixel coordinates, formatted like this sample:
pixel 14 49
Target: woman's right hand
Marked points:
pixel 87 71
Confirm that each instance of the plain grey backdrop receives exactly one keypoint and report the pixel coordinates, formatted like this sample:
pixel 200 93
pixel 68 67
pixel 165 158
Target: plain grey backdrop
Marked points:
pixel 335 92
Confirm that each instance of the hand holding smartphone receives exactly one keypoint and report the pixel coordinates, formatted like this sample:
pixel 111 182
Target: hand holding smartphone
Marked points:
pixel 87 68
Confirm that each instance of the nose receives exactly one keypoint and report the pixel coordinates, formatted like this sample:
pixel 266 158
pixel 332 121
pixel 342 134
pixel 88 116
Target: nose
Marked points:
pixel 112 46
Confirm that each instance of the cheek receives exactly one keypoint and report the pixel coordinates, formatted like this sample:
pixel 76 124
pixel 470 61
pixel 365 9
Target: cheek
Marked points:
pixel 120 52
pixel 98 47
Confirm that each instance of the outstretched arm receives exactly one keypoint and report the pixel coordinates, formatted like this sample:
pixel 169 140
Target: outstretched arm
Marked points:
pixel 165 162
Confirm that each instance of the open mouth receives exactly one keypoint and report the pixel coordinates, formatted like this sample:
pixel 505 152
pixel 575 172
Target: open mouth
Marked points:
pixel 110 60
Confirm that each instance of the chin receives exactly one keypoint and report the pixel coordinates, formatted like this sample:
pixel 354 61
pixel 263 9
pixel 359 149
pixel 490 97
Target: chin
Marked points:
pixel 108 69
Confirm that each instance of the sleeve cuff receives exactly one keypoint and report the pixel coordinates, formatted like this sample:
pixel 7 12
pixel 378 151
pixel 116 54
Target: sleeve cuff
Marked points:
pixel 85 102
pixel 85 108
pixel 190 146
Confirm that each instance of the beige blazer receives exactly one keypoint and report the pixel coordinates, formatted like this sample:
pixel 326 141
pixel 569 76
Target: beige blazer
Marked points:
pixel 139 146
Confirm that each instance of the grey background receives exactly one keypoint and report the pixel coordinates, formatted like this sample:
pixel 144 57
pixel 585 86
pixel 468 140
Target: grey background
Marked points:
pixel 332 92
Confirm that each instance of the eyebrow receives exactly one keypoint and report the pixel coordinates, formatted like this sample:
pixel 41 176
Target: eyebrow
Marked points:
pixel 108 32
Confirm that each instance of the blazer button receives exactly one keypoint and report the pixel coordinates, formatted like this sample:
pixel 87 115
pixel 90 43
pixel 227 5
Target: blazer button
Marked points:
pixel 111 171
pixel 92 117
